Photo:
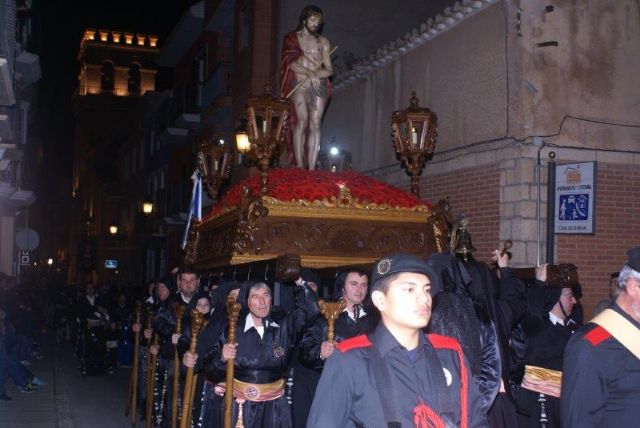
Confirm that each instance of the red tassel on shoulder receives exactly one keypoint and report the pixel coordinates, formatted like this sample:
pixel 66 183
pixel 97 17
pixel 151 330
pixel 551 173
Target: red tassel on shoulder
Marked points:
pixel 425 417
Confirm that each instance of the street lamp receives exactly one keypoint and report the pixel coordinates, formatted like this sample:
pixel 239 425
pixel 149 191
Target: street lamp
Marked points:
pixel 113 229
pixel 50 261
pixel 334 159
pixel 147 207
pixel 414 133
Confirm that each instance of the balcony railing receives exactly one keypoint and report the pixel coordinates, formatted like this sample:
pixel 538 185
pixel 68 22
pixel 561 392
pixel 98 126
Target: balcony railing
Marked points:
pixel 8 172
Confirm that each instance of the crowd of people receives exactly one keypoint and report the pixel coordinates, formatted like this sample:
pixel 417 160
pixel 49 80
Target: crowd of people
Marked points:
pixel 20 316
pixel 498 352
pixel 446 341
pixel 96 321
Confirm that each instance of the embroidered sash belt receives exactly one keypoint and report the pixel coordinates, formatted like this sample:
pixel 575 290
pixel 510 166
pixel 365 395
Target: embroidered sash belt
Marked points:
pixel 545 381
pixel 253 391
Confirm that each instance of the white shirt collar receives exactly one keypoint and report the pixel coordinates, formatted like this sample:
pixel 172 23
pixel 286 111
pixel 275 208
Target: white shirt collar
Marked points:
pixel 351 315
pixel 554 319
pixel 184 298
pixel 249 323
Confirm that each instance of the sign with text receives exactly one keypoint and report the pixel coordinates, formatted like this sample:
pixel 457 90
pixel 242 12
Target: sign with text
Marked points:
pixel 575 198
pixel 25 258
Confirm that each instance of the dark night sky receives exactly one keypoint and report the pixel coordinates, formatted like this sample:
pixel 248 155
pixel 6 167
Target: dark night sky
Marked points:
pixel 58 27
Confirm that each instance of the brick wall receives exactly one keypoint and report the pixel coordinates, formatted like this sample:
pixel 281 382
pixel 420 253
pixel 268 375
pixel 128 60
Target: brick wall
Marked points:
pixel 617 230
pixel 476 193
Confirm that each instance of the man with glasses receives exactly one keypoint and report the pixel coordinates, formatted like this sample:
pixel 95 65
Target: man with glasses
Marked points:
pixel 602 360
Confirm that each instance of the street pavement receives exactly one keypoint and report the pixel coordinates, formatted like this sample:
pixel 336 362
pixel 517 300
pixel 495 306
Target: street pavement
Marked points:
pixel 68 400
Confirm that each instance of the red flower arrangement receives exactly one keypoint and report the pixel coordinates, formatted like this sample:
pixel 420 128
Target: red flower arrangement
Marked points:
pixel 290 184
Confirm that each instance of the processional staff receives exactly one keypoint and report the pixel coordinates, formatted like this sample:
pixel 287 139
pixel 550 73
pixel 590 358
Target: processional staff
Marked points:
pixel 151 380
pixel 505 250
pixel 152 359
pixel 558 275
pixel 331 311
pixel 190 380
pixel 233 311
pixel 178 310
pixel 133 378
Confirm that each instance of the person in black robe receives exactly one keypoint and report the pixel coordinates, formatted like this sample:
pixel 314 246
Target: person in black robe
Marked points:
pixel 456 314
pixel 261 354
pixel 188 285
pixel 97 350
pixel 206 413
pixel 314 349
pixel 163 298
pixel 547 329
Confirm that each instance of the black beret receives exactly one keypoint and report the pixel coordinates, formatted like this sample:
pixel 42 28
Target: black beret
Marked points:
pixel 403 263
pixel 634 258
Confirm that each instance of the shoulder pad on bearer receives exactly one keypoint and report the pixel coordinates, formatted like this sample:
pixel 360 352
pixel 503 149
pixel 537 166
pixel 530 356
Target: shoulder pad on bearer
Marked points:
pixel 443 342
pixel 597 336
pixel 361 341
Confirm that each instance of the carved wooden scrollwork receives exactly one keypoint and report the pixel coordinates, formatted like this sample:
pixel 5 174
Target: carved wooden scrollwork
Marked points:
pixel 193 238
pixel 341 237
pixel 251 210
pixel 439 224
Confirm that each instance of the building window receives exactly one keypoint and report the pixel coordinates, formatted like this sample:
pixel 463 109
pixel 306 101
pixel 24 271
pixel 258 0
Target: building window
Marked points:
pixel 107 74
pixel 244 32
pixel 134 79
pixel 202 73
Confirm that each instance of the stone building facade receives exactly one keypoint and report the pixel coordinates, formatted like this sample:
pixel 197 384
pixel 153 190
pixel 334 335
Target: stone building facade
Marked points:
pixel 511 82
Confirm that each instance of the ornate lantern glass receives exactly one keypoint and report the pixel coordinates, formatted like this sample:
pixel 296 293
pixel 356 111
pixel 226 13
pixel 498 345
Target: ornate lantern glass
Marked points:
pixel 414 132
pixel 242 141
pixel 214 163
pixel 266 118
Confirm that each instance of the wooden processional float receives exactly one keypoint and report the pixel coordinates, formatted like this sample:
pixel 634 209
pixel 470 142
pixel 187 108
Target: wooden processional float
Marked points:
pixel 250 235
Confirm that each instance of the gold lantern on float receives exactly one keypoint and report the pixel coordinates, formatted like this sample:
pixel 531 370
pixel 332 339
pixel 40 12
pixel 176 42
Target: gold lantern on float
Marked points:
pixel 414 131
pixel 266 118
pixel 214 163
